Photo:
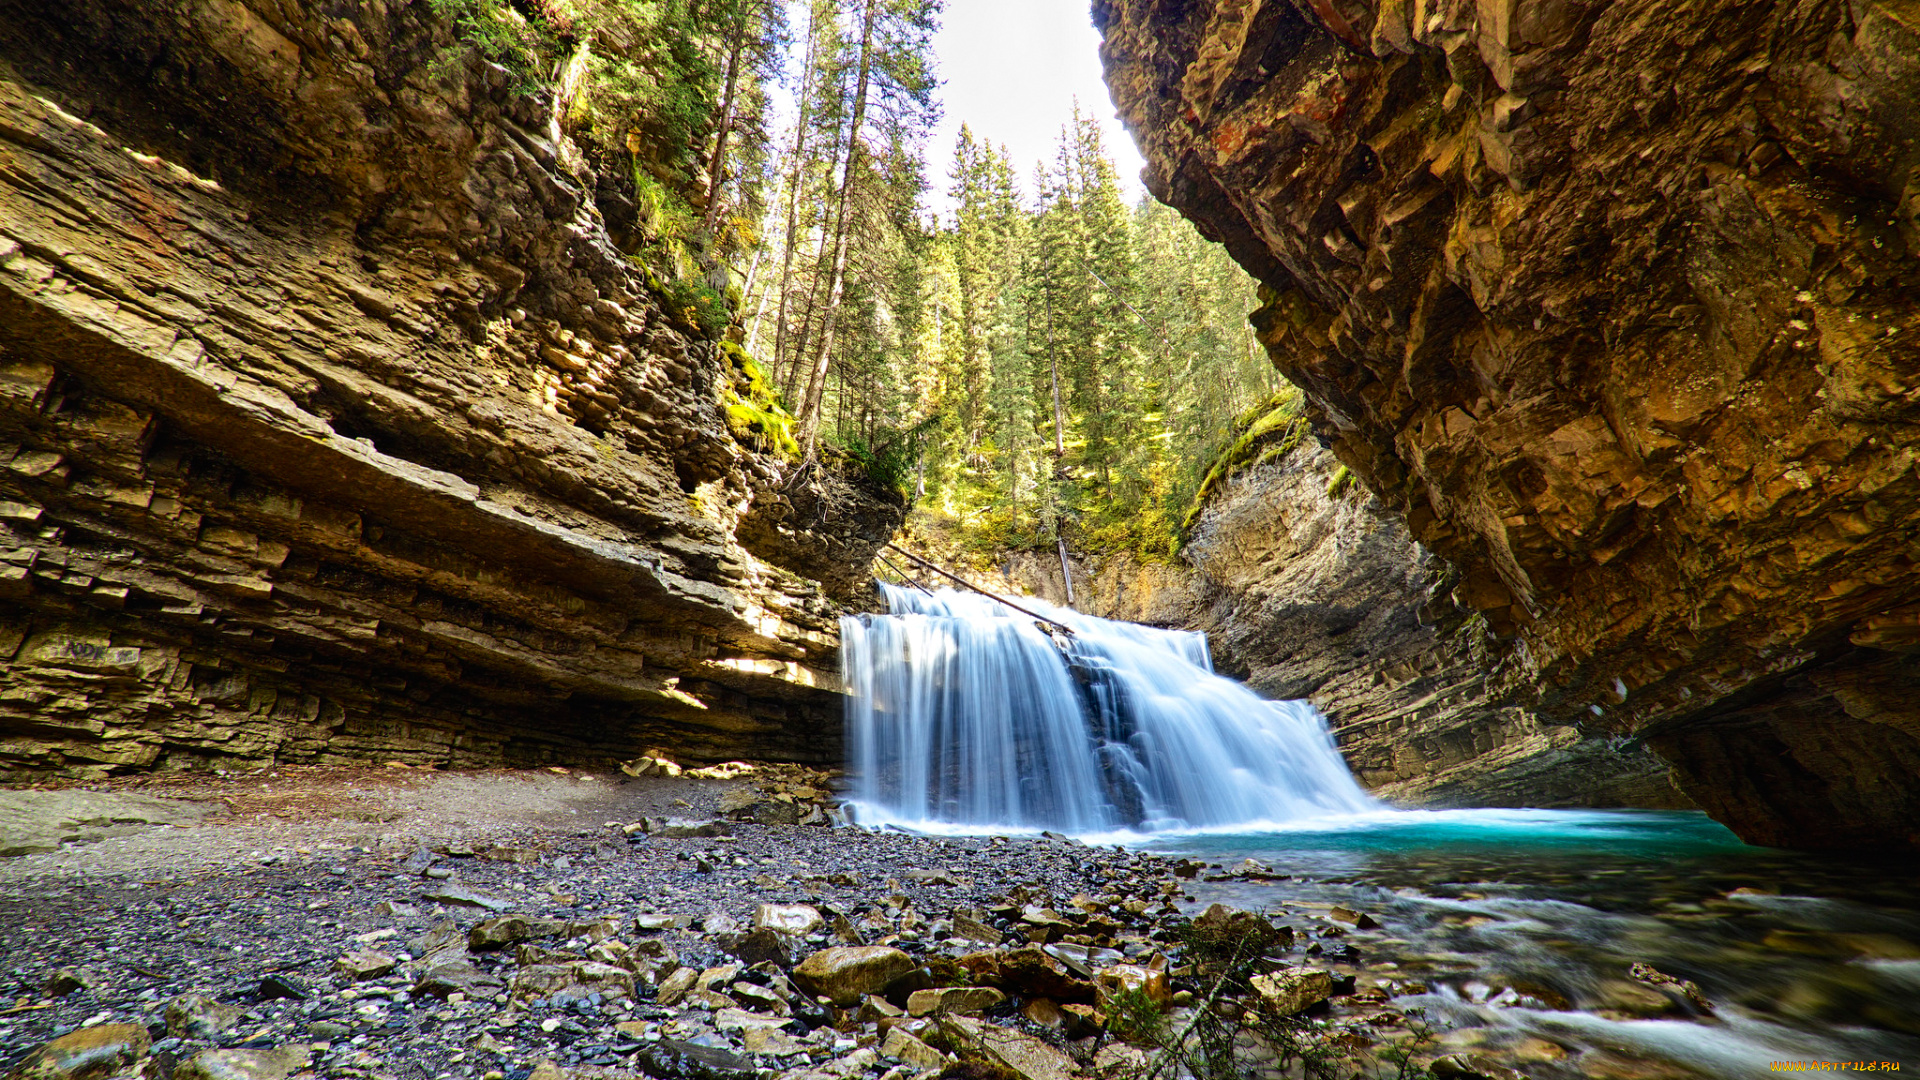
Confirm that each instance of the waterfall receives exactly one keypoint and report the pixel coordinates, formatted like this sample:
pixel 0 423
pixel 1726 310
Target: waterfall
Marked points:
pixel 963 712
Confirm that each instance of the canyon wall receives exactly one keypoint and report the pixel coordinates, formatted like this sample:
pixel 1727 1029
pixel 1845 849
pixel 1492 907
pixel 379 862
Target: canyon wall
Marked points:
pixel 1307 587
pixel 1614 302
pixel 333 427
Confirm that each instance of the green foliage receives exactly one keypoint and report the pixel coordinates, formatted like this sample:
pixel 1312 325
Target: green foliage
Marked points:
pixel 503 36
pixel 890 459
pixel 754 413
pixel 1341 480
pixel 1267 432
pixel 1134 1016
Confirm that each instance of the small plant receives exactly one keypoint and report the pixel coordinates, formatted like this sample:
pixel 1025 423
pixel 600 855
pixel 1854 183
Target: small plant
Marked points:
pixel 1341 480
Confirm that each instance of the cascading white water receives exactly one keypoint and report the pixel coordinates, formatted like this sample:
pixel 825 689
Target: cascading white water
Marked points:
pixel 963 712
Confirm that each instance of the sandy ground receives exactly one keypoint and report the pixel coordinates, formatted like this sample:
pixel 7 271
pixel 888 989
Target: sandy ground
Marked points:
pixel 286 809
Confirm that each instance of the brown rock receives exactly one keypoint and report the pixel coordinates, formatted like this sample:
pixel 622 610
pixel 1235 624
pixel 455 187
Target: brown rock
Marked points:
pixel 845 974
pixel 86 1054
pixel 275 1064
pixel 363 964
pixel 904 1047
pixel 1022 1054
pixel 953 1000
pixel 507 929
pixel 1293 990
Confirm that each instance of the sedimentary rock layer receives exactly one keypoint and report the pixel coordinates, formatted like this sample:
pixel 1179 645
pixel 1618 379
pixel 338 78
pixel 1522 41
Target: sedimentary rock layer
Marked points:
pixel 1616 303
pixel 332 427
pixel 1307 588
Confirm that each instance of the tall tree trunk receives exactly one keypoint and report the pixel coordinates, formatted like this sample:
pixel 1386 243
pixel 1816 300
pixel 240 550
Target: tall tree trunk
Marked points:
pixel 717 175
pixel 793 194
pixel 837 280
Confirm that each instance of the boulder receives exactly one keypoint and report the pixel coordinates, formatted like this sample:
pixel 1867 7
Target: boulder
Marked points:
pixel 1023 1055
pixel 507 929
pixel 1293 990
pixel 904 1047
pixel 363 964
pixel 795 919
pixel 91 1052
pixel 197 1016
pixel 847 973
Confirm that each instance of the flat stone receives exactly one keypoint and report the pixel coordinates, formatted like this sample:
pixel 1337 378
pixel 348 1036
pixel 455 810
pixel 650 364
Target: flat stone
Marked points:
pixel 691 828
pixel 456 975
pixel 974 930
pixel 197 1016
pixel 904 1047
pixel 98 1051
pixel 772 1042
pixel 576 979
pixel 507 929
pixel 1022 1054
pixel 671 1059
pixel 243 1064
pixel 70 980
pixel 654 922
pixel 847 973
pixel 363 964
pixel 675 986
pixel 796 919
pixel 461 896
pixel 953 999
pixel 1293 990
pixel 742 1020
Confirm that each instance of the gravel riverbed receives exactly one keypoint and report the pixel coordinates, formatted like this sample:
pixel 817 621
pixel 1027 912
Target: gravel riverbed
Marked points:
pixel 547 924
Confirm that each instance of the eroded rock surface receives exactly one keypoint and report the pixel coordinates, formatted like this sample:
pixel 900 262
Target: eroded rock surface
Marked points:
pixel 333 428
pixel 1614 302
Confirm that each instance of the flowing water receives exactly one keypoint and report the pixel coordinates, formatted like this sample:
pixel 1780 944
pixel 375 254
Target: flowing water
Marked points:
pixel 963 712
pixel 1512 931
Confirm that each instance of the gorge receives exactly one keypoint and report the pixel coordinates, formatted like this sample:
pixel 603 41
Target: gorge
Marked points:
pixel 449 452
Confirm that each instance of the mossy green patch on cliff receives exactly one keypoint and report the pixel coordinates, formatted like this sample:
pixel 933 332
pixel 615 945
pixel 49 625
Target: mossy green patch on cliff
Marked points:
pixel 1267 432
pixel 754 413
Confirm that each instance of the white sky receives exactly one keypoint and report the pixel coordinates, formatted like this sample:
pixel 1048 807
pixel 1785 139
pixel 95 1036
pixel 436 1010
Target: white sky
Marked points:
pixel 1010 70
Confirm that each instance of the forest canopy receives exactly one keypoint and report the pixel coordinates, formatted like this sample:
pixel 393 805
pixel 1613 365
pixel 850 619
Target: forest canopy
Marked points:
pixel 1040 362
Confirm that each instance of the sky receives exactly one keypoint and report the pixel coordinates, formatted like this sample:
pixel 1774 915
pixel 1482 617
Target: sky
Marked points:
pixel 1010 70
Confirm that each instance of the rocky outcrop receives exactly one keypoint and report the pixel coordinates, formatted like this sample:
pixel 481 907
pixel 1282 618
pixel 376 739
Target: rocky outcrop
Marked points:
pixel 1308 588
pixel 1615 303
pixel 333 428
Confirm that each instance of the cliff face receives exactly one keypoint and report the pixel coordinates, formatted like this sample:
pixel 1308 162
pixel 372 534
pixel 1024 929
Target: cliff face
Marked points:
pixel 1306 594
pixel 332 427
pixel 1614 302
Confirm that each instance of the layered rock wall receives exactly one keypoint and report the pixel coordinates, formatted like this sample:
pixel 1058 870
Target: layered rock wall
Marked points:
pixel 333 428
pixel 1309 588
pixel 1615 302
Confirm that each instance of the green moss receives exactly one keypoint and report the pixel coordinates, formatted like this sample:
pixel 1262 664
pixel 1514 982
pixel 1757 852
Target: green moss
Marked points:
pixel 1267 432
pixel 754 413
pixel 1341 480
